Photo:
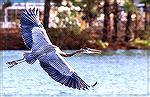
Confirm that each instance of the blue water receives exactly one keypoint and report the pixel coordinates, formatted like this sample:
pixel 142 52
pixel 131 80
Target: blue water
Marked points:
pixel 118 73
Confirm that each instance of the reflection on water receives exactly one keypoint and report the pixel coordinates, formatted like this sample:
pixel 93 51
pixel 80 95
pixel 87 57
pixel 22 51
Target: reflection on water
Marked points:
pixel 121 73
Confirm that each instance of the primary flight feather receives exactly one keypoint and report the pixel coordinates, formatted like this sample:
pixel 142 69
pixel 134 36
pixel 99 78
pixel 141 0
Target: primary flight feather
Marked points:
pixel 36 39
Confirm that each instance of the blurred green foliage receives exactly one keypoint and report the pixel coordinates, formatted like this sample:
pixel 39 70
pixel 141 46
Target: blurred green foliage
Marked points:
pixel 74 38
pixel 130 7
pixel 65 38
pixel 7 4
pixel 67 20
pixel 142 43
pixel 145 1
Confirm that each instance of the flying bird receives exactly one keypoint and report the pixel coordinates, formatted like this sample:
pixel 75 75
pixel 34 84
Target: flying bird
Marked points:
pixel 50 56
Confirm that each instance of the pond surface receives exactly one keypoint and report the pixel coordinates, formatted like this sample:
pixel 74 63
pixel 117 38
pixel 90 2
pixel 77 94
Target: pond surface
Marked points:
pixel 118 73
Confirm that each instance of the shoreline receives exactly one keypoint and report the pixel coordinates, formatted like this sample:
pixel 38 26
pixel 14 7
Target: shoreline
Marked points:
pixel 11 40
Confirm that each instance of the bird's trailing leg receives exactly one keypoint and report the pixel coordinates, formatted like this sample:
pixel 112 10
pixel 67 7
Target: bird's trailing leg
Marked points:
pixel 13 63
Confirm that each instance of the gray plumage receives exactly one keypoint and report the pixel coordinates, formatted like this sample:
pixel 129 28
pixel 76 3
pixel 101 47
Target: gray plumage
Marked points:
pixel 36 39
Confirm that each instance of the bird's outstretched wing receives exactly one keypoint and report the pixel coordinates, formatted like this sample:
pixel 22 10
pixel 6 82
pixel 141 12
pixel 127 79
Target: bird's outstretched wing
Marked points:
pixel 31 28
pixel 35 38
pixel 62 72
pixel 73 81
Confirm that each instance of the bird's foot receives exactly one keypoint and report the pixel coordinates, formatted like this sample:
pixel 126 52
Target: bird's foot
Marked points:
pixel 11 64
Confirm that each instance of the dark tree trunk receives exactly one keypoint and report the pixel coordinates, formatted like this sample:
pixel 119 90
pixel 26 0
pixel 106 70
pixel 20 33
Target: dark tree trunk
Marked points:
pixel 89 13
pixel 106 25
pixel 46 13
pixel 146 17
pixel 114 35
pixel 128 25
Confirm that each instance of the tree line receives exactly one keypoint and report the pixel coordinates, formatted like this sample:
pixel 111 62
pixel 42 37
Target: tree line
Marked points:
pixel 92 9
pixel 112 24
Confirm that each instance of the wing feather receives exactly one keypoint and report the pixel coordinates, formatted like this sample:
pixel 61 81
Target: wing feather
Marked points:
pixel 35 38
pixel 29 20
pixel 73 81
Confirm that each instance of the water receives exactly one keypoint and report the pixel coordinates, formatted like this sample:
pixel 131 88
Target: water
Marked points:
pixel 118 73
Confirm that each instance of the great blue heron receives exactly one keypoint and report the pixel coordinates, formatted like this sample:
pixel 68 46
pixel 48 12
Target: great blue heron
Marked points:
pixel 49 56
